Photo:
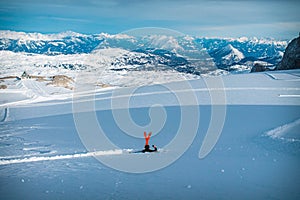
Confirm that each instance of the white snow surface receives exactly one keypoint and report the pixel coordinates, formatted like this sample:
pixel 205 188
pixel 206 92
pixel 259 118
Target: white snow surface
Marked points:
pixel 269 88
pixel 256 156
pixel 42 155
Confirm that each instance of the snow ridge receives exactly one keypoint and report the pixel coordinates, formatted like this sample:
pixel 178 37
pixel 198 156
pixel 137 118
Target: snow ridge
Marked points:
pixel 289 132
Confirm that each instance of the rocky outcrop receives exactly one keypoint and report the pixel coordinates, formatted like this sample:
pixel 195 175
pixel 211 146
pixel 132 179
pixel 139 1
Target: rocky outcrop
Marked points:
pixel 62 81
pixel 2 87
pixel 258 67
pixel 291 57
pixel 262 66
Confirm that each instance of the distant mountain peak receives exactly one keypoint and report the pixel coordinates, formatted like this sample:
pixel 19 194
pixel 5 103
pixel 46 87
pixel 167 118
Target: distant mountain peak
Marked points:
pixel 228 55
pixel 235 52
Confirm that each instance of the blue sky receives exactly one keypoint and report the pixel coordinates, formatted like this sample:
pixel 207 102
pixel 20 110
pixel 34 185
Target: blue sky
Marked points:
pixel 224 18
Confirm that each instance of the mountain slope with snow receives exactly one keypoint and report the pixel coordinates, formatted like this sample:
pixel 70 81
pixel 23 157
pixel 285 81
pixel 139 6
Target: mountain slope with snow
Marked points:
pixel 227 56
pixel 188 54
pixel 44 154
pixel 253 49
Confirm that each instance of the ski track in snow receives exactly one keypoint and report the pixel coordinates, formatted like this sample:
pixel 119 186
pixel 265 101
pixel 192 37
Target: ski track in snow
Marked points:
pixel 29 158
pixel 8 161
pixel 290 95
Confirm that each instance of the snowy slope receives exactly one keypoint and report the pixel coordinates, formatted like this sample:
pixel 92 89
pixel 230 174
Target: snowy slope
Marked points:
pixel 277 89
pixel 44 154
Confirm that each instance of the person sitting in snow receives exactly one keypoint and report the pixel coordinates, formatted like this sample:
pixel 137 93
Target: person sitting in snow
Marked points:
pixel 147 147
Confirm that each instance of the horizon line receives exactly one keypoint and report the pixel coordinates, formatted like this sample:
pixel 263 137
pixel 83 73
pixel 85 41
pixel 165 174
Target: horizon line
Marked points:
pixel 124 33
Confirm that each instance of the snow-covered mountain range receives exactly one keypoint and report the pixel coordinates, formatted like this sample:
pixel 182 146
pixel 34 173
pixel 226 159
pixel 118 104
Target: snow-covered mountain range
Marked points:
pixel 185 54
pixel 243 51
